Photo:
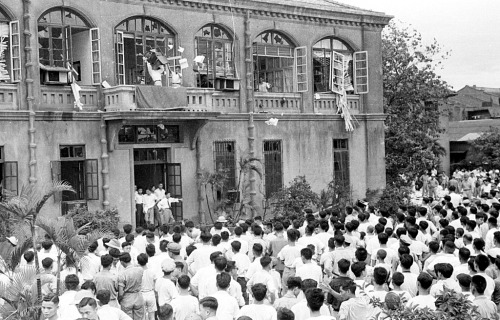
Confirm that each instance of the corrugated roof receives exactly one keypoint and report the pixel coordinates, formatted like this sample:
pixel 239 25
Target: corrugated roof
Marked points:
pixel 328 5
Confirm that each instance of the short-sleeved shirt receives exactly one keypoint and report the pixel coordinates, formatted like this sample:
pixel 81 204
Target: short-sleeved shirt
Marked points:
pixel 166 291
pixel 131 279
pixel 105 280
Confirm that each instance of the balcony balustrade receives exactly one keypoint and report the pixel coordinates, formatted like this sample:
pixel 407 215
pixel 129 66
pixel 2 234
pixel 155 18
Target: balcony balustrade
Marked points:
pixel 326 104
pixel 9 96
pixel 60 98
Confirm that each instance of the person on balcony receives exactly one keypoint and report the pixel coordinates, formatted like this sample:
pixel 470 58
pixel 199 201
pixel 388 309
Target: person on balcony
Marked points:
pixel 264 86
pixel 155 65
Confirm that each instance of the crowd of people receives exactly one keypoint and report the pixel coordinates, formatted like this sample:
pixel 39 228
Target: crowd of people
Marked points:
pixel 330 264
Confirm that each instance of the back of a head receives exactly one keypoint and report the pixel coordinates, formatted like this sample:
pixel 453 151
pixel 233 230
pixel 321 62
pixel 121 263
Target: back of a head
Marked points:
pixel 479 283
pixel 184 281
pixel 71 282
pixel 294 282
pixel 259 291
pixel 223 280
pixel 464 280
pixel 380 275
pixel 315 299
pixel 220 263
pixel 425 280
pixel 398 278
pixel 283 314
pixel 344 265
pixel 482 262
pixel 445 269
pixel 265 261
pixel 210 303
pixel 103 296
pixel 308 284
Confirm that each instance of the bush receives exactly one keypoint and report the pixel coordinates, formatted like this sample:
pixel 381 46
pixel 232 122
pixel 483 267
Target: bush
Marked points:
pixel 294 198
pixel 99 220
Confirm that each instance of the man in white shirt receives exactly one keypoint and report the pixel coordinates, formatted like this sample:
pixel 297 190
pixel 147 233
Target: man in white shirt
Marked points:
pixel 309 270
pixel 107 312
pixel 444 271
pixel 165 208
pixel 201 256
pixel 149 202
pixel 481 262
pixel 288 254
pixel 139 208
pixel 463 267
pixel 300 309
pixel 258 310
pixel 159 192
pixel 67 308
pixel 264 276
pixel 424 299
pixel 310 238
pixel 447 257
pixel 184 304
pixel 456 199
pixel 228 306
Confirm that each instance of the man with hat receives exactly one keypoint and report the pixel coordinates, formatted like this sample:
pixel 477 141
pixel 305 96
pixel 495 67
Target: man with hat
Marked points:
pixel 165 289
pixel 174 252
pixel 219 227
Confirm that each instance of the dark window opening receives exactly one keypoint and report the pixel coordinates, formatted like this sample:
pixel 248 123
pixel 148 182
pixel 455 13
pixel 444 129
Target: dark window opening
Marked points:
pixel 149 134
pixel 341 162
pixel 273 167
pixel 225 161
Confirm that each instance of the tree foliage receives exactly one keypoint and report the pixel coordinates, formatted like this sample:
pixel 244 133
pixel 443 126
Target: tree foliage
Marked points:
pixel 485 151
pixel 412 92
pixel 294 198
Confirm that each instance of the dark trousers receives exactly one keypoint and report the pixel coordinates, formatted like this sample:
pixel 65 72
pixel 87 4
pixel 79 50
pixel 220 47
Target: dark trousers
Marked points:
pixel 139 215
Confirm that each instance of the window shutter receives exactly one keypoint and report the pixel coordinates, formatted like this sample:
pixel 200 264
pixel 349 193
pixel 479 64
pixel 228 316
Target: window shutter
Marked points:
pixel 55 168
pixel 10 176
pixel 91 179
pixel 337 73
pixel 15 51
pixel 95 48
pixel 120 58
pixel 301 69
pixel 361 72
pixel 68 45
pixel 174 186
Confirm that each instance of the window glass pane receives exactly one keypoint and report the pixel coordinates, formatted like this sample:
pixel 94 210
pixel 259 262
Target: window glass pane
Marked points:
pixel 146 134
pixel 55 17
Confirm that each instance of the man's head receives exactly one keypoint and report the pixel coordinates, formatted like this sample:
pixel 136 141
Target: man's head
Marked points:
pixel 50 305
pixel 424 281
pixel 223 280
pixel 478 285
pixel 103 296
pixel 88 308
pixel 259 291
pixel 315 299
pixel 71 282
pixel 443 270
pixel 208 307
pixel 380 275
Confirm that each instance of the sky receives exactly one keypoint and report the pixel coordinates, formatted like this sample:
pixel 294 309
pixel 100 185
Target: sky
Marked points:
pixel 470 30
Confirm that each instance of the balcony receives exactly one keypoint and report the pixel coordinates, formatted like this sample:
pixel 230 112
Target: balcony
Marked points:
pixel 60 98
pixel 326 104
pixel 9 95
pixel 278 102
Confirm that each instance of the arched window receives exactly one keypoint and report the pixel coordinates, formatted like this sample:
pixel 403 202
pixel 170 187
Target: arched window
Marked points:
pixel 273 58
pixel 337 68
pixel 135 37
pixel 10 51
pixel 66 40
pixel 216 46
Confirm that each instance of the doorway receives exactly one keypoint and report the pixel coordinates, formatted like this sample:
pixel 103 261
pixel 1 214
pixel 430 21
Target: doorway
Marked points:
pixel 152 167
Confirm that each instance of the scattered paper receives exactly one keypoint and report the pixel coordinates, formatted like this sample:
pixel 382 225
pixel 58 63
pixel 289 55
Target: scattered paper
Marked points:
pixel 181 49
pixel 272 122
pixel 76 94
pixel 317 96
pixel 105 84
pixel 184 63
pixel 199 59
pixel 170 47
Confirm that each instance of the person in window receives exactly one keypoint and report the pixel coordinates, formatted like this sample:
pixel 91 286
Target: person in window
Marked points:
pixel 176 77
pixel 155 67
pixel 264 86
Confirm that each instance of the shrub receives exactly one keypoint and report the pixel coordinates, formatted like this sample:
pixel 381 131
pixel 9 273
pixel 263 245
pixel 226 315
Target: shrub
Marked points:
pixel 294 198
pixel 102 220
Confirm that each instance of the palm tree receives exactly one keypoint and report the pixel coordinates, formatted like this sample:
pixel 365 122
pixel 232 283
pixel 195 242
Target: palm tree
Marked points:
pixel 24 209
pixel 70 242
pixel 19 300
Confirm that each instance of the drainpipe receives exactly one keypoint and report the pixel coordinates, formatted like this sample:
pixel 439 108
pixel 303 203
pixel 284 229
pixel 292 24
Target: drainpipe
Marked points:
pixel 105 166
pixel 250 107
pixel 29 91
pixel 201 216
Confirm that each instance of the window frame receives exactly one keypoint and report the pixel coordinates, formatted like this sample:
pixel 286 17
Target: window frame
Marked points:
pixel 326 71
pixel 211 41
pixel 64 25
pixel 278 55
pixel 10 178
pixel 120 35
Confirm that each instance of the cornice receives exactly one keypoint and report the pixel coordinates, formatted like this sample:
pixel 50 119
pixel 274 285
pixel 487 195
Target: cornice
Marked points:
pixel 178 116
pixel 350 18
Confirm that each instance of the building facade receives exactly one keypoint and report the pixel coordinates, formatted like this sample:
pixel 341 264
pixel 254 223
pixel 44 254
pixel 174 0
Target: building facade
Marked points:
pixel 466 115
pixel 77 101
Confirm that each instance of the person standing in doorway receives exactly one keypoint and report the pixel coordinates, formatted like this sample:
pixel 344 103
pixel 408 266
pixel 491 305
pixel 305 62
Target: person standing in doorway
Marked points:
pixel 149 201
pixel 139 208
pixel 159 194
pixel 165 209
